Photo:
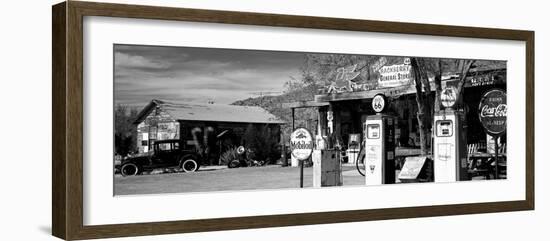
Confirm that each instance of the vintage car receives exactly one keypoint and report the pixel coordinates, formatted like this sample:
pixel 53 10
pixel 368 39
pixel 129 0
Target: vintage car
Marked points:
pixel 164 154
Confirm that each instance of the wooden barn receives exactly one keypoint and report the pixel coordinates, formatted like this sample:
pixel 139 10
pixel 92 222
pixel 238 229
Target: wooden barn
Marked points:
pixel 214 125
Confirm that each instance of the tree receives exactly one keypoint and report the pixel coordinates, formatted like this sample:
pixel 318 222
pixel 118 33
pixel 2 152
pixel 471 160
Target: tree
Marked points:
pixel 204 142
pixel 423 101
pixel 125 130
pixel 263 141
pixel 421 68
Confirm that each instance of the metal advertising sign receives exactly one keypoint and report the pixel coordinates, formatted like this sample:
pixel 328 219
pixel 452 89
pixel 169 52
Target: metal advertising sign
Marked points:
pixel 492 112
pixel 343 82
pixel 394 75
pixel 390 77
pixel 301 144
pixel 379 64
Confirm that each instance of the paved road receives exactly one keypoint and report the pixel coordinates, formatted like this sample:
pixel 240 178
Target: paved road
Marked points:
pixel 251 178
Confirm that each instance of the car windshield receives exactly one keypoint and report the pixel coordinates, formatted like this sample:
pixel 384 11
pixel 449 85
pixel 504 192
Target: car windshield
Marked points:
pixel 165 146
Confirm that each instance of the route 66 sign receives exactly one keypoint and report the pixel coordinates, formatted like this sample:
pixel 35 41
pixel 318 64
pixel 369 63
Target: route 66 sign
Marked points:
pixel 378 103
pixel 449 96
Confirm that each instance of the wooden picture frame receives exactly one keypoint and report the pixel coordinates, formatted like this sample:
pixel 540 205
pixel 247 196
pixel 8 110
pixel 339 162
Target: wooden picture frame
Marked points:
pixel 67 123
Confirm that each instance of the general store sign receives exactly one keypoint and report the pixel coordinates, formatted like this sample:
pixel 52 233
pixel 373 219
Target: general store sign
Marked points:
pixel 395 75
pixel 301 144
pixel 492 112
pixel 389 76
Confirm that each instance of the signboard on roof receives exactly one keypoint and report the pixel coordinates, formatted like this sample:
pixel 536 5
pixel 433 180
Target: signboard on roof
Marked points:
pixel 346 79
pixel 395 75
pixel 379 64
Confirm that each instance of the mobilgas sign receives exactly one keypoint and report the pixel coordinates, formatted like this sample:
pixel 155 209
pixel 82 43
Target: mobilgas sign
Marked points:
pixel 492 112
pixel 301 144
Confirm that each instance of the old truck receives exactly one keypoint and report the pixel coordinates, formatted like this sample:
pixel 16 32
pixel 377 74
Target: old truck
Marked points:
pixel 164 154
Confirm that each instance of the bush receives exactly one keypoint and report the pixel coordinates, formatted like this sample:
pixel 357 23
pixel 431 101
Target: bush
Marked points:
pixel 229 155
pixel 263 142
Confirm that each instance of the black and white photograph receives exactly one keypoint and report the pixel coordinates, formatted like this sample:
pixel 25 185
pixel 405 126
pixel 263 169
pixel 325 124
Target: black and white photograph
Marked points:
pixel 190 119
pixel 274 120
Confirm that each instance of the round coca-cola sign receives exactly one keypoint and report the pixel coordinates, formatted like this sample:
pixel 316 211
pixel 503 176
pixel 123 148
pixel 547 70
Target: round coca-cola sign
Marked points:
pixel 492 111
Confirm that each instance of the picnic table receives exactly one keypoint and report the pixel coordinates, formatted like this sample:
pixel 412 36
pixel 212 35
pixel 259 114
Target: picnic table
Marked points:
pixel 483 164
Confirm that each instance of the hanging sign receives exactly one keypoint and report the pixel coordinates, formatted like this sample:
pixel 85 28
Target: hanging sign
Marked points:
pixel 449 96
pixel 301 144
pixel 492 112
pixel 379 103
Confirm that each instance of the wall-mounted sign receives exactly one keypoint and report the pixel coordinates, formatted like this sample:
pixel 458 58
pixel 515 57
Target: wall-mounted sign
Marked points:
pixel 493 78
pixel 389 76
pixel 301 144
pixel 449 96
pixel 379 103
pixel 343 81
pixel 346 73
pixel 492 112
pixel 394 75
pixel 379 63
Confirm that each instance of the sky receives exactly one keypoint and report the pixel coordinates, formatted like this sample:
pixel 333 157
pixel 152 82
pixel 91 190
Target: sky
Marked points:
pixel 188 74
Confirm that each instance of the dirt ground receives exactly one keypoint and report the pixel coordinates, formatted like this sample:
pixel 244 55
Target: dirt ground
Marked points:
pixel 213 179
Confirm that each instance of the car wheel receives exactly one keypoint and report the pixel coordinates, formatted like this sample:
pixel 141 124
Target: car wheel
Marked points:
pixel 189 164
pixel 129 169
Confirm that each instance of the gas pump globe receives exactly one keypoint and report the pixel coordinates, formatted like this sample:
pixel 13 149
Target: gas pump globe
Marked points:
pixel 449 141
pixel 379 131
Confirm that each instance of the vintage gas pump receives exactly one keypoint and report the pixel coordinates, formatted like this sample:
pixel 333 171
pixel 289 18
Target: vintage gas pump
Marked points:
pixel 450 143
pixel 379 131
pixel 354 146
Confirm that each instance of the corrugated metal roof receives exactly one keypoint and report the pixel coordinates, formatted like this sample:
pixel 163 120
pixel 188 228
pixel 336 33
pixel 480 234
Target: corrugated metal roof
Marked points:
pixel 217 112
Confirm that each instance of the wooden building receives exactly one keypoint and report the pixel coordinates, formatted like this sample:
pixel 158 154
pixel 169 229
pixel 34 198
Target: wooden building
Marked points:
pixel 220 125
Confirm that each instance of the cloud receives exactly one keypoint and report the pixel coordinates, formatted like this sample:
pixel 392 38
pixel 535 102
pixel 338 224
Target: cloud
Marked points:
pixel 123 60
pixel 199 74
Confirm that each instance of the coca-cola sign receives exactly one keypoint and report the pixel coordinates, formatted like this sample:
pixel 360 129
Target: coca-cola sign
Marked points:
pixel 492 112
